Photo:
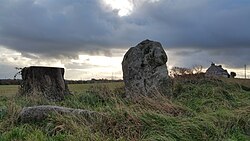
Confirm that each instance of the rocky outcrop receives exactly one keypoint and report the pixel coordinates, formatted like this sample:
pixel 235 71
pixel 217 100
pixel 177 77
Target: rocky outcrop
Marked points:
pixel 145 71
pixel 39 113
pixel 47 82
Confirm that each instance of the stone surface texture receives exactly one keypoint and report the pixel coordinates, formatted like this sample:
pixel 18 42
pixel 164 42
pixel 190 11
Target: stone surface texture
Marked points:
pixel 39 113
pixel 145 70
pixel 47 82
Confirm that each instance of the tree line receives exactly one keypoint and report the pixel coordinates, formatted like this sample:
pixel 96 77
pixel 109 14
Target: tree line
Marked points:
pixel 182 71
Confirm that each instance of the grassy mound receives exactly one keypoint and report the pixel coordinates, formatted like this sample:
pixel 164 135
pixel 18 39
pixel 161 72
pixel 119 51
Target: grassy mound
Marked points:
pixel 200 109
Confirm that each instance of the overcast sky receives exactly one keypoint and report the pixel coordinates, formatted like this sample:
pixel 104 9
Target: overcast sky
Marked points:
pixel 89 37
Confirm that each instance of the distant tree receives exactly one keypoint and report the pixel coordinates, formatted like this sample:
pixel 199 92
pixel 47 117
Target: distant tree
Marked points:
pixel 18 73
pixel 197 69
pixel 232 74
pixel 179 71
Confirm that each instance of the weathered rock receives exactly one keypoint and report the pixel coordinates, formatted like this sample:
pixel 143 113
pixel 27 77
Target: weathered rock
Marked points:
pixel 145 71
pixel 44 81
pixel 39 113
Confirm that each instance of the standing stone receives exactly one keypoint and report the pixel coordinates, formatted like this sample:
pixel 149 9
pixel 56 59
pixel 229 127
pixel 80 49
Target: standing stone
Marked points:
pixel 145 71
pixel 44 81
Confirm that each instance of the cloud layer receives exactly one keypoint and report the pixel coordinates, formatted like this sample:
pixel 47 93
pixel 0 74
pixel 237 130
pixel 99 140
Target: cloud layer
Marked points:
pixel 66 28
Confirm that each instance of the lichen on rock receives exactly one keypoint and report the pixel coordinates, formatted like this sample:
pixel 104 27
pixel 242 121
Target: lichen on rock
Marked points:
pixel 145 71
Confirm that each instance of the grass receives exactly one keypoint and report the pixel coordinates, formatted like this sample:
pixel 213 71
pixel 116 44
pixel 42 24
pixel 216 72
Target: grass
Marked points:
pixel 200 109
pixel 11 90
pixel 244 83
pixel 8 90
pixel 77 88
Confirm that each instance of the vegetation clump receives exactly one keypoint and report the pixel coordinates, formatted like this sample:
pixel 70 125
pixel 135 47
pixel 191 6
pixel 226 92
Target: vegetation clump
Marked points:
pixel 200 109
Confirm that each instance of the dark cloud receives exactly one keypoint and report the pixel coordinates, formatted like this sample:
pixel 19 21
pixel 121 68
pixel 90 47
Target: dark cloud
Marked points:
pixel 66 28
pixel 53 27
pixel 201 24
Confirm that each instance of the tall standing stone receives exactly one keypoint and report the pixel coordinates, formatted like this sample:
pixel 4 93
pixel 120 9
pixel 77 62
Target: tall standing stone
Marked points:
pixel 44 81
pixel 145 71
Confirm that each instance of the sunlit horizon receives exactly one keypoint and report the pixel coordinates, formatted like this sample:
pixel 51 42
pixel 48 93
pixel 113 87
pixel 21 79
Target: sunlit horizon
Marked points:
pixel 87 67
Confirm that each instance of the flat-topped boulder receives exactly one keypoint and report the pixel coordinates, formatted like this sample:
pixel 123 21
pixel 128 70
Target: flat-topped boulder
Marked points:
pixel 145 70
pixel 44 81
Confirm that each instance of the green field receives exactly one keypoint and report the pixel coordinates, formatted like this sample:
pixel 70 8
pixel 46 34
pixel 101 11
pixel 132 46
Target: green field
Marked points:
pixel 11 90
pixel 8 90
pixel 243 82
pixel 78 88
pixel 198 110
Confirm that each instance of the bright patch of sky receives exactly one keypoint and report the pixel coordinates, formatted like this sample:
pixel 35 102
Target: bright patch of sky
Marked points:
pixel 124 7
pixel 86 67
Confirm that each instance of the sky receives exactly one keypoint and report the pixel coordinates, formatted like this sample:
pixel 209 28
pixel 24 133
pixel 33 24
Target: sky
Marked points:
pixel 89 37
